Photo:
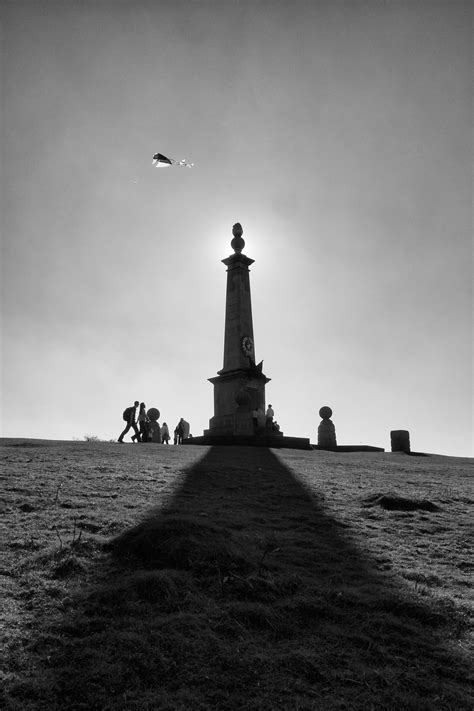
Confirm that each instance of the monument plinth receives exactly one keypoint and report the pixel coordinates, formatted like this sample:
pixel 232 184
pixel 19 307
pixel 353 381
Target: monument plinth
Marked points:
pixel 239 387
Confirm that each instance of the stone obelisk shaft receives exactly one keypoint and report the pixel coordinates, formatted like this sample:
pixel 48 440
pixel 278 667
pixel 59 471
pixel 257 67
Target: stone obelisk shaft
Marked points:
pixel 238 312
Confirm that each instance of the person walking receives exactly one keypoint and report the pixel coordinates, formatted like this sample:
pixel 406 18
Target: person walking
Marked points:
pixel 143 423
pixel 129 417
pixel 165 434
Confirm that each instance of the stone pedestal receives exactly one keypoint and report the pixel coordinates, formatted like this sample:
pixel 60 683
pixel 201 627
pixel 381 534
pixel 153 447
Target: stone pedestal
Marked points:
pixel 400 441
pixel 229 416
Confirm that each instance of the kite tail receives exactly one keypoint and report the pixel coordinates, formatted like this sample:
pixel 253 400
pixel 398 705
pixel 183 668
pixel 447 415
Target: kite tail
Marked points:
pixel 161 161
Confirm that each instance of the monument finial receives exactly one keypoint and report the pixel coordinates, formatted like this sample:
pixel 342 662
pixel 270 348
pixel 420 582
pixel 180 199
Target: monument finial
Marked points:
pixel 238 243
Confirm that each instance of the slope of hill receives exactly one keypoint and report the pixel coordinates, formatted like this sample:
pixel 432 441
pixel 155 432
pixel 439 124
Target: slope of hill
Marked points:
pixel 154 577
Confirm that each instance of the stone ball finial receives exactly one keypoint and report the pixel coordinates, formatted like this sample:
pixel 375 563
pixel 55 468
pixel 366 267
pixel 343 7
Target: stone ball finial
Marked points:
pixel 153 413
pixel 238 243
pixel 325 412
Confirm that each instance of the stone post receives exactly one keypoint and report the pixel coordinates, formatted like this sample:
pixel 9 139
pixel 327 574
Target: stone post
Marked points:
pixel 400 441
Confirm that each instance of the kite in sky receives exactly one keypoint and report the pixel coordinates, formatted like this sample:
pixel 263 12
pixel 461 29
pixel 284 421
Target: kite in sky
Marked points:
pixel 161 161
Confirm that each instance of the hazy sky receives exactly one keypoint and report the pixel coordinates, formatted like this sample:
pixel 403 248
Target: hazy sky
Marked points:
pixel 337 133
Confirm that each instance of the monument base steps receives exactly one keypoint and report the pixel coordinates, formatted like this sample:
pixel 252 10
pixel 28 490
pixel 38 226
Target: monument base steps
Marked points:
pixel 349 448
pixel 271 441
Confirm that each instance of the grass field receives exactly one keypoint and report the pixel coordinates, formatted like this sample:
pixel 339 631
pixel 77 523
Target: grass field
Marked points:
pixel 152 577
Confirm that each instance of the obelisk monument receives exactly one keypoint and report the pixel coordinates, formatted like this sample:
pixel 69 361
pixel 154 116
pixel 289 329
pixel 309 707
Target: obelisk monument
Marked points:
pixel 239 388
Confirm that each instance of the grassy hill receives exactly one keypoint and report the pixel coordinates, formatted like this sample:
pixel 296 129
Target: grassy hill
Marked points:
pixel 153 577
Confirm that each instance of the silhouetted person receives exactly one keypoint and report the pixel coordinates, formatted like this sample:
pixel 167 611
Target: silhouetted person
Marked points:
pixel 181 431
pixel 165 434
pixel 143 423
pixel 178 432
pixel 129 417
pixel 269 416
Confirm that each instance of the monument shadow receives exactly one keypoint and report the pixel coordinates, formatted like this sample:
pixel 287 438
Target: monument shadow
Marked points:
pixel 243 592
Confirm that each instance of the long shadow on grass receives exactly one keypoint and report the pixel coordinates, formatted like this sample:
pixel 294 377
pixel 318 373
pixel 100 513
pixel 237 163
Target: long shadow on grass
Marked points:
pixel 243 593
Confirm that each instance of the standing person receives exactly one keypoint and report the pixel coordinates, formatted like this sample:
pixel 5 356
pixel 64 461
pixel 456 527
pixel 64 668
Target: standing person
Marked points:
pixel 143 423
pixel 129 417
pixel 165 434
pixel 269 416
pixel 178 433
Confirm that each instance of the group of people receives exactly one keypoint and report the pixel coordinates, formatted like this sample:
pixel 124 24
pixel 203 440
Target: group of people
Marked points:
pixel 264 420
pixel 146 428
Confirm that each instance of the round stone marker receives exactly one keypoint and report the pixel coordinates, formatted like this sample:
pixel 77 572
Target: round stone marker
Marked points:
pixel 153 414
pixel 326 430
pixel 325 412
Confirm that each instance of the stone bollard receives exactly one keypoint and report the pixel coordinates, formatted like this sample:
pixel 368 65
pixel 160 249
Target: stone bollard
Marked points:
pixel 155 429
pixel 326 430
pixel 400 441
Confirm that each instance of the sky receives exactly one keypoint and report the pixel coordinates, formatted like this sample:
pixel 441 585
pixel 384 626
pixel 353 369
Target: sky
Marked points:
pixel 338 133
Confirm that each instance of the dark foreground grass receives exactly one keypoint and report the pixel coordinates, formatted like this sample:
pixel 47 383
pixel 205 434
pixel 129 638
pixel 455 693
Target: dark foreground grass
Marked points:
pixel 236 580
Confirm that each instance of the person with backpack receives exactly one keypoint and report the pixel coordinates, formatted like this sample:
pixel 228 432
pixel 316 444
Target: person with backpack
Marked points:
pixel 129 417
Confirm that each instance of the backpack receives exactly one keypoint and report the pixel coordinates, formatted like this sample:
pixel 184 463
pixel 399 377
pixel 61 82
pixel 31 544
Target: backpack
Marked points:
pixel 127 413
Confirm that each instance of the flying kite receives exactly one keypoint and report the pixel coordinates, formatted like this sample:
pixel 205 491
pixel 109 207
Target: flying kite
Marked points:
pixel 161 161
